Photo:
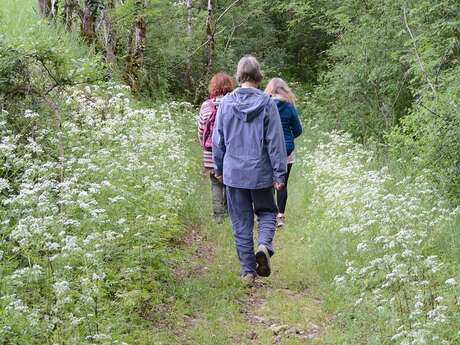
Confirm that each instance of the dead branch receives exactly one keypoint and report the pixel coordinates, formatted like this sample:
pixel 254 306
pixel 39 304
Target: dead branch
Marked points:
pixel 419 59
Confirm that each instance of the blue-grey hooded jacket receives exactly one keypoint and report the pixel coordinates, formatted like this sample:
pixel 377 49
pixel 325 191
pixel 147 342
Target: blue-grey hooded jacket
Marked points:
pixel 248 142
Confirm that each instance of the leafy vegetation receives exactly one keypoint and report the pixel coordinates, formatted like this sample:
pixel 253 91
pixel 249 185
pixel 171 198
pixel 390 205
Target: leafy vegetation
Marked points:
pixel 99 174
pixel 86 238
pixel 380 251
pixel 392 79
pixel 90 211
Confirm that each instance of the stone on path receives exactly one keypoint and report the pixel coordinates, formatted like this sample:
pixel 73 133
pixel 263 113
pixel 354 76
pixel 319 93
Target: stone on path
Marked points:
pixel 277 329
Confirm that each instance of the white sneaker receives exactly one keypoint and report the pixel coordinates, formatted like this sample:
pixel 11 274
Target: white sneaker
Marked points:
pixel 280 220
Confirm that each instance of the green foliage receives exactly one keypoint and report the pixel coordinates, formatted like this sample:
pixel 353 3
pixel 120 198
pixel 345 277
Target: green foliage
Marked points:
pixel 429 137
pixel 365 92
pixel 88 237
pixel 392 79
pixel 90 211
pixel 36 58
pixel 176 61
pixel 94 189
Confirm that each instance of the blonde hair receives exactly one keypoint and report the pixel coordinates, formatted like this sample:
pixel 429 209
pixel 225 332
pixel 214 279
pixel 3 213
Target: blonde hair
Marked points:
pixel 278 88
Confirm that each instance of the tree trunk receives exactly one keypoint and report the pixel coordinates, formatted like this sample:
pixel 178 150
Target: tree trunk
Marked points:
pixel 47 8
pixel 88 23
pixel 109 37
pixel 140 32
pixel 136 47
pixel 189 17
pixel 188 72
pixel 210 37
pixel 68 13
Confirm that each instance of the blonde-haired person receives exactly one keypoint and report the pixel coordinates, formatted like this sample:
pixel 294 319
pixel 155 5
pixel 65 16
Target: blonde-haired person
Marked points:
pixel 285 101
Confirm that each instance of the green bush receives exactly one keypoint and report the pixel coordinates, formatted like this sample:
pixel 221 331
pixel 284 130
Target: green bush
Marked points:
pixel 91 191
pixel 428 139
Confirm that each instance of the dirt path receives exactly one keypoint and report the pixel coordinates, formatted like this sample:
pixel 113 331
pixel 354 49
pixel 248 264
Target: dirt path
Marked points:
pixel 211 307
pixel 254 311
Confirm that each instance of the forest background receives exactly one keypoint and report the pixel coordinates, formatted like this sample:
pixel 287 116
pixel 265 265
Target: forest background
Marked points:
pixel 385 72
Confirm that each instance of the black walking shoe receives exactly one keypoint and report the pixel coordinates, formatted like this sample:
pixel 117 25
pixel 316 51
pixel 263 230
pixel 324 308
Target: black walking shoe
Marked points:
pixel 263 261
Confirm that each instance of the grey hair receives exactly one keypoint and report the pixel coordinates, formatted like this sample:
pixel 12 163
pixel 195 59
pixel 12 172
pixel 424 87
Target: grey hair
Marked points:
pixel 248 70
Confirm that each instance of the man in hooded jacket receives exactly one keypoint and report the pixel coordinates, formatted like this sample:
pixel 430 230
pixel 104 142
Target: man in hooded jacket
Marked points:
pixel 250 155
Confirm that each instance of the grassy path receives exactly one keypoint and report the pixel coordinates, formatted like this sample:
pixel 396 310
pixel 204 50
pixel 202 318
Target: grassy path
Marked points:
pixel 211 307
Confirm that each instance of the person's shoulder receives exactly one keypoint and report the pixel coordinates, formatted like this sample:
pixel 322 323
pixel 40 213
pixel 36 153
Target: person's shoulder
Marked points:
pixel 205 106
pixel 291 107
pixel 229 96
pixel 282 104
pixel 227 99
pixel 288 105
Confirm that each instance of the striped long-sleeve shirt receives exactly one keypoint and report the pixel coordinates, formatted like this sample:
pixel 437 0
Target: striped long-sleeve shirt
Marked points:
pixel 205 112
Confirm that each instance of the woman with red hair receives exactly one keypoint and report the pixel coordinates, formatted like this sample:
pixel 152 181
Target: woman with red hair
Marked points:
pixel 219 86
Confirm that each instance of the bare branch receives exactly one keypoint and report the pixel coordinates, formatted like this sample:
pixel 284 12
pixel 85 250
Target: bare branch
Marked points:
pixel 227 45
pixel 226 10
pixel 419 59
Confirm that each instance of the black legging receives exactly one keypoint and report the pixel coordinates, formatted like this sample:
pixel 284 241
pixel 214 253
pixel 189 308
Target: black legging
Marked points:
pixel 281 195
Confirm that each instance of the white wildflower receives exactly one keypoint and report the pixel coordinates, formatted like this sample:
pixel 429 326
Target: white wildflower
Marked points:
pixel 61 287
pixel 451 282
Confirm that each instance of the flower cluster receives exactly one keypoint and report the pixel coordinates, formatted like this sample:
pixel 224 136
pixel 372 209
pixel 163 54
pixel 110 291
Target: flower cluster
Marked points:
pixel 87 207
pixel 386 225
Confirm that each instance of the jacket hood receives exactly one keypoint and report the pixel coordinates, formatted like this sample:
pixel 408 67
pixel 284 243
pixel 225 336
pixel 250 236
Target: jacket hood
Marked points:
pixel 248 103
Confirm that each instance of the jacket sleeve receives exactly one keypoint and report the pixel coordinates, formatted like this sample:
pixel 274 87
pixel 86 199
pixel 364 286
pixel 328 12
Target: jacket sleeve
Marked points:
pixel 274 141
pixel 296 126
pixel 218 143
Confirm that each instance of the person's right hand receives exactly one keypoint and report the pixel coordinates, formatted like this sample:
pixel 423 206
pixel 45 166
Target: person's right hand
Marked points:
pixel 278 185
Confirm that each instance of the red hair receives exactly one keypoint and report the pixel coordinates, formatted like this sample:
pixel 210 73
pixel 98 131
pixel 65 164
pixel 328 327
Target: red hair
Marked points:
pixel 220 85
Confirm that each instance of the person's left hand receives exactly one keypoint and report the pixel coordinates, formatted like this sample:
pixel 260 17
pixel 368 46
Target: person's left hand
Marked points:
pixel 278 185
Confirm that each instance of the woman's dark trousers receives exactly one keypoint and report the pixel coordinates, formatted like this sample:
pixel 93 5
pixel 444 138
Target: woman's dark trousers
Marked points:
pixel 282 195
